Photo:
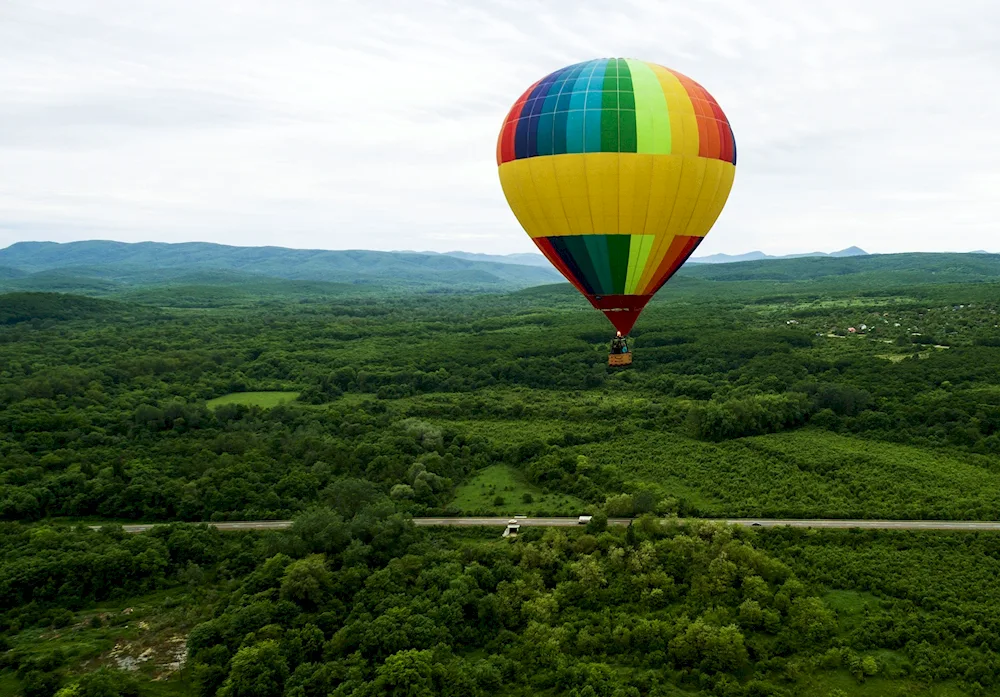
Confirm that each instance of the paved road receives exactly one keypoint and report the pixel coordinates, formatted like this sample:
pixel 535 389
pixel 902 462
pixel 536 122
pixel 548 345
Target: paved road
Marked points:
pixel 526 522
pixel 573 522
pixel 230 525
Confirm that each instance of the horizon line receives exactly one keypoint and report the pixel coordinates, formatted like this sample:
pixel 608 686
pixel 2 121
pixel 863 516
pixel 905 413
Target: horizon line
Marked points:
pixel 462 251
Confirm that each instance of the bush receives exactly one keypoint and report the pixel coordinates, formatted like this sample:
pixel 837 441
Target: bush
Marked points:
pixel 103 682
pixel 61 618
pixel 39 683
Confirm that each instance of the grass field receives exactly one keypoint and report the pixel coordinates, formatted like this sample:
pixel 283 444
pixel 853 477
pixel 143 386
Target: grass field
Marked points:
pixel 9 684
pixel 265 400
pixel 808 473
pixel 481 495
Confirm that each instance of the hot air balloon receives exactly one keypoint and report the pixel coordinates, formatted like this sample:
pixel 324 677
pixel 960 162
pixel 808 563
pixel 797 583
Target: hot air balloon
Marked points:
pixel 617 169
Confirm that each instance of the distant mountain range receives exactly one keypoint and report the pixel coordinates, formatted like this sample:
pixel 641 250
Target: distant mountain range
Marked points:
pixel 51 265
pixel 147 270
pixel 757 256
pixel 526 259
pixel 532 259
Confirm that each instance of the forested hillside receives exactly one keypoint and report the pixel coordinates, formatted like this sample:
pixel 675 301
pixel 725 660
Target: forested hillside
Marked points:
pixel 39 307
pixel 43 264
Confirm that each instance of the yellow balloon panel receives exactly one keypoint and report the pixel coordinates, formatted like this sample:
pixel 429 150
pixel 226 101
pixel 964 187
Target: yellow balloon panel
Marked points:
pixel 616 193
pixel 656 196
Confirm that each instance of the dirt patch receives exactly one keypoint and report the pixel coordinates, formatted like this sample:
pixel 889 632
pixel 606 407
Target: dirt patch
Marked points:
pixel 177 652
pixel 160 656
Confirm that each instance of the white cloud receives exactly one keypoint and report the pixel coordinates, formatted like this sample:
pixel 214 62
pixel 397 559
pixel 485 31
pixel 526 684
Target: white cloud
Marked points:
pixel 313 123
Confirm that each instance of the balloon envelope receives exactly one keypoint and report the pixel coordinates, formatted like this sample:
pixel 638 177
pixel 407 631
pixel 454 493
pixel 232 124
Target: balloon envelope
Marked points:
pixel 617 169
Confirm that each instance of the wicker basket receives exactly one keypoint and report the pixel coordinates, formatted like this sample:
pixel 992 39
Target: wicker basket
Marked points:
pixel 620 358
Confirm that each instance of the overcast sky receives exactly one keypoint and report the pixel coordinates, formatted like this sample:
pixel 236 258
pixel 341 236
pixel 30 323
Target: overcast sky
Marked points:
pixel 369 124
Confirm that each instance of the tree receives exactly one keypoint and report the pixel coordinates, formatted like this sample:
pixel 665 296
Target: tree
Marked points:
pixel 428 435
pixel 307 581
pixel 406 674
pixel 322 530
pixel 256 671
pixel 709 647
pixel 644 501
pixel 810 619
pixel 401 491
pixel 720 578
pixel 598 523
pixel 751 615
pixel 208 677
pixel 348 496
pixel 269 574
pixel 619 506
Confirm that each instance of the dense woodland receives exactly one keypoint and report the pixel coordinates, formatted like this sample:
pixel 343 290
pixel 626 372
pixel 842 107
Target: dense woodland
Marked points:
pixel 805 388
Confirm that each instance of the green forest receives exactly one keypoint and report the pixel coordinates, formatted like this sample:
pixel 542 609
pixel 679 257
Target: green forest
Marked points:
pixel 859 387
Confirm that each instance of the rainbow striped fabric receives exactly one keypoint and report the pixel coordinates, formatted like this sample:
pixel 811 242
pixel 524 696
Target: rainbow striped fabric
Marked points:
pixel 616 105
pixel 616 168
